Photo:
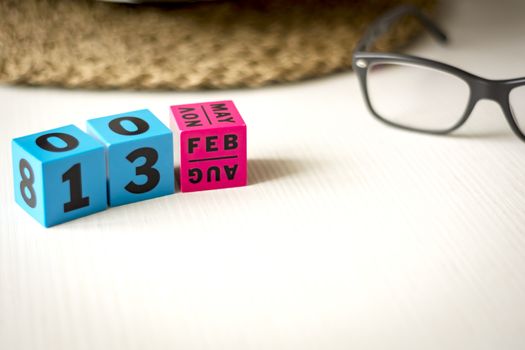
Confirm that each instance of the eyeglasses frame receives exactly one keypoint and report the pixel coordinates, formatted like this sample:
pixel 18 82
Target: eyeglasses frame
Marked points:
pixel 479 87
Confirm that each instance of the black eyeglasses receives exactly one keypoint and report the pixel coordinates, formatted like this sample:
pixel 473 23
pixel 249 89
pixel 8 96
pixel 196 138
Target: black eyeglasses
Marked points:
pixel 423 95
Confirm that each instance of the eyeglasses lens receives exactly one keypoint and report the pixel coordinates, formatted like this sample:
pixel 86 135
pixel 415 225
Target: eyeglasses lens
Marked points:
pixel 417 97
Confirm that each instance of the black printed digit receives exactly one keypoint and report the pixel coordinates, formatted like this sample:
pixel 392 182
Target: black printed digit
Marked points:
pixel 70 141
pixel 146 169
pixel 27 183
pixel 116 126
pixel 74 176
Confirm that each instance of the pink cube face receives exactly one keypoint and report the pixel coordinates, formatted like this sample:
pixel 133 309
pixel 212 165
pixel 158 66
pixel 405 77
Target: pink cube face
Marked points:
pixel 211 138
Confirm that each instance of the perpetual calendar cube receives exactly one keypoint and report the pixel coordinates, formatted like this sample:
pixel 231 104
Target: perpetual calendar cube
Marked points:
pixel 210 139
pixel 139 153
pixel 59 175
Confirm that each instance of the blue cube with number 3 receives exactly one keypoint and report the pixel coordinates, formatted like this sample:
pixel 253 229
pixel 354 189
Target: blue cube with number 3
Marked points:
pixel 139 155
pixel 59 175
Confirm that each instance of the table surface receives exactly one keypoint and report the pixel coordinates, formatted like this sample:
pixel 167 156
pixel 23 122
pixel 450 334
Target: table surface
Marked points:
pixel 350 235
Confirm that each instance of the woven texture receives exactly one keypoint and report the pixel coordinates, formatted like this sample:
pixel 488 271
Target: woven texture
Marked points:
pixel 84 43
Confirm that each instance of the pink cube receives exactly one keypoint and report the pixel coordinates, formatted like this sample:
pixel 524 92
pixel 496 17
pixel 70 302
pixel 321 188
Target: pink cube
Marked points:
pixel 211 142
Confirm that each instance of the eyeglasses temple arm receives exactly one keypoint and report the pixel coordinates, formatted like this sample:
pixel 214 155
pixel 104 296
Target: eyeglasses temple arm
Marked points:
pixel 383 24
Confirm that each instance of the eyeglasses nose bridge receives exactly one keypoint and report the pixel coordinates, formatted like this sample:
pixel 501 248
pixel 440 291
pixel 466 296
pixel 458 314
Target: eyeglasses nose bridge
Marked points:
pixel 489 90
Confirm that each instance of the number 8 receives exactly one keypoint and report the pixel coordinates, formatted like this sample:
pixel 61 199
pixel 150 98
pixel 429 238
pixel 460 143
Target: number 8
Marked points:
pixel 27 182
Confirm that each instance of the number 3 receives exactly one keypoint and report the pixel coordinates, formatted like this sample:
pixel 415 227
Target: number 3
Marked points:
pixel 146 169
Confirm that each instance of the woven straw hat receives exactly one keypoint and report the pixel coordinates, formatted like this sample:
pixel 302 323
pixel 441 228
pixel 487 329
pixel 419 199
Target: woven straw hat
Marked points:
pixel 85 43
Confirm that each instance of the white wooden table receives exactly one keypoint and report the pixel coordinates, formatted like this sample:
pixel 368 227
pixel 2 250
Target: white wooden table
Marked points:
pixel 351 234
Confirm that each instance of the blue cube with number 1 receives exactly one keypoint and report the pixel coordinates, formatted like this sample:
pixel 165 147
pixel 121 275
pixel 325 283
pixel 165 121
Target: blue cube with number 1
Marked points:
pixel 139 155
pixel 59 175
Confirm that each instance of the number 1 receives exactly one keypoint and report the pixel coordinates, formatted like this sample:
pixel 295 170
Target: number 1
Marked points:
pixel 74 176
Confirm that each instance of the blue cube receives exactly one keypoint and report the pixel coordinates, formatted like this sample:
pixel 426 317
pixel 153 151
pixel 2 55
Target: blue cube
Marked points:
pixel 59 175
pixel 139 156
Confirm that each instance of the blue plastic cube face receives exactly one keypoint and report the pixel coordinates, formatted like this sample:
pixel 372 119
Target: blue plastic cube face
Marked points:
pixel 139 154
pixel 59 175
